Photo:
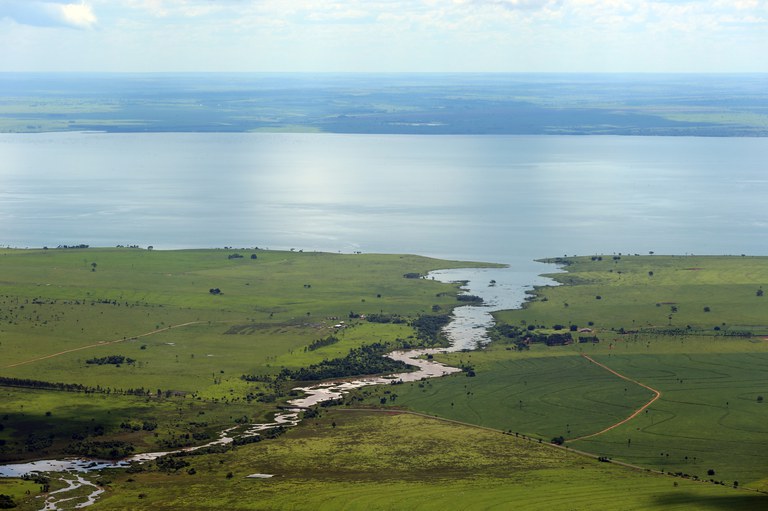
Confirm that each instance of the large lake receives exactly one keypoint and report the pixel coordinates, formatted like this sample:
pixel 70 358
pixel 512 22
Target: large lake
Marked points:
pixel 505 199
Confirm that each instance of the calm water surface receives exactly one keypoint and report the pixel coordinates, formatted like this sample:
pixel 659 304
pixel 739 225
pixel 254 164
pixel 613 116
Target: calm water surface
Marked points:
pixel 494 198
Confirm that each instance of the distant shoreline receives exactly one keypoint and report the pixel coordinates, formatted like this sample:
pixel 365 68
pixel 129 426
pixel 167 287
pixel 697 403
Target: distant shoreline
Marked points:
pixel 702 105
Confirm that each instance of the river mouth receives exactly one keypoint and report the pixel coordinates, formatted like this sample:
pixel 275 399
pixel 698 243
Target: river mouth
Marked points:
pixel 499 288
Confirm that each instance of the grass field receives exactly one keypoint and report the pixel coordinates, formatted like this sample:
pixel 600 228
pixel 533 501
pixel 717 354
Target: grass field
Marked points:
pixel 53 301
pixel 366 460
pixel 709 415
pixel 60 308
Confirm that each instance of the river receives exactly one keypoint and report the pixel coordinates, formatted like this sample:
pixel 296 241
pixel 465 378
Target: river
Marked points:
pixel 500 288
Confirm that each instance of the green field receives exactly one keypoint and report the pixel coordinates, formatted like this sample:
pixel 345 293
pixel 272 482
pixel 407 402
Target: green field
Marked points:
pixel 363 460
pixel 61 308
pixel 690 328
pixel 710 414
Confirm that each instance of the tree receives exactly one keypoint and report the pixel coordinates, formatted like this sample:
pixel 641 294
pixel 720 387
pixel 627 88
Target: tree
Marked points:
pixel 93 266
pixel 6 502
pixel 711 472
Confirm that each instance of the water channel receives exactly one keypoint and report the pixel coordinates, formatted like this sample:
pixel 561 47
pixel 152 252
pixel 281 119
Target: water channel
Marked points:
pixel 500 289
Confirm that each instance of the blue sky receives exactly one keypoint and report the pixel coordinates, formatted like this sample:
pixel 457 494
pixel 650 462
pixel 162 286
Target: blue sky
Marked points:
pixel 385 35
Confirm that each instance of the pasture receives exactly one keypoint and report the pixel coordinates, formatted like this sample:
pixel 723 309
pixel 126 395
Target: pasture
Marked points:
pixel 63 312
pixel 710 366
pixel 189 346
pixel 371 460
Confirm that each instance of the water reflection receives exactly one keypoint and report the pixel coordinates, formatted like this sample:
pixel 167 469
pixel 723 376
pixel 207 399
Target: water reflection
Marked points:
pixel 491 198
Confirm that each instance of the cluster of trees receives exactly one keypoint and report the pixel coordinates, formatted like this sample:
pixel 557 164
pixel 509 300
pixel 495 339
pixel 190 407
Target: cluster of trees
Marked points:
pixel 77 387
pixel 110 359
pixel 469 369
pixel 111 449
pixel 46 385
pixel 553 339
pixel 429 327
pixel 240 256
pixel 384 318
pixel 144 426
pixel 469 298
pixel 523 338
pixel 6 501
pixel 319 343
pixel 264 434
pixel 368 359
pixel 170 463
pixel 38 441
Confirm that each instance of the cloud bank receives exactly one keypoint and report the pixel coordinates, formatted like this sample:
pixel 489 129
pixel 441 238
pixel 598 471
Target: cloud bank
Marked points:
pixel 388 35
pixel 49 13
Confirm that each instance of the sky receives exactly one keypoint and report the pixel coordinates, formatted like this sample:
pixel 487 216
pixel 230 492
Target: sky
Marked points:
pixel 653 36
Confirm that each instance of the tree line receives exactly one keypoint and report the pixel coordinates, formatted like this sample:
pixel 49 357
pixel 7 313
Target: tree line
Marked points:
pixel 76 387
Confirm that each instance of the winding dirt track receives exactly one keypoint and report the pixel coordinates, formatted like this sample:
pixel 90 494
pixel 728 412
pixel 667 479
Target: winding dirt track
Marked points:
pixel 100 343
pixel 637 412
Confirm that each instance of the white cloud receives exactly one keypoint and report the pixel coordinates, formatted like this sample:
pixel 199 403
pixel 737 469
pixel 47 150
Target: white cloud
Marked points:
pixel 391 35
pixel 51 13
pixel 78 15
